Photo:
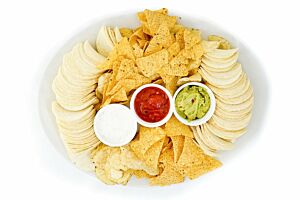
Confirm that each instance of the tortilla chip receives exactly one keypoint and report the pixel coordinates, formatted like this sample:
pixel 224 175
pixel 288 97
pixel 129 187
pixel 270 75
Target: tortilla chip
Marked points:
pixel 169 176
pixel 123 48
pixel 126 32
pixel 171 84
pixel 178 142
pixel 191 153
pixel 142 43
pixel 191 38
pixel 152 154
pixel 178 66
pixel 174 127
pixel 138 35
pixel 194 171
pixel 151 64
pixel 159 82
pixel 141 174
pixel 127 69
pixel 161 39
pixel 155 19
pixel 137 51
pixel 119 96
pixel 146 138
pixel 179 37
pixel 173 50
pixel 194 53
pixel 131 161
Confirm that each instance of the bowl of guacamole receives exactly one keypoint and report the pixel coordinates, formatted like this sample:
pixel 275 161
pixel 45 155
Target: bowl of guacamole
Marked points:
pixel 194 103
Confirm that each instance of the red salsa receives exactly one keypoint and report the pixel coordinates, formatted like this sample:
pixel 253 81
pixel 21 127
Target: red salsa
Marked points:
pixel 152 104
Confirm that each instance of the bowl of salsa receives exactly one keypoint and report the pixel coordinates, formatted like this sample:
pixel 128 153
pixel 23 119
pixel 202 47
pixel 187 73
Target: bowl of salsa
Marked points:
pixel 152 105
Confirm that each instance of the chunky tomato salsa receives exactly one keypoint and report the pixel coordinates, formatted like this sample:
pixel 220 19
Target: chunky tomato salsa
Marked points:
pixel 152 104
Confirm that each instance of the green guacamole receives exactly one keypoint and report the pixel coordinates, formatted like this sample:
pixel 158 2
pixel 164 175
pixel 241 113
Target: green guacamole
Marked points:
pixel 192 102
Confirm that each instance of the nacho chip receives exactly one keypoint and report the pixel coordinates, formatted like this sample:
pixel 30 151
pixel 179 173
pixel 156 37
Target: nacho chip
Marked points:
pixel 151 64
pixel 138 35
pixel 191 154
pixel 161 39
pixel 141 174
pixel 142 43
pixel 173 50
pixel 174 127
pixel 191 38
pixel 169 176
pixel 171 84
pixel 127 69
pixel 126 32
pixel 194 171
pixel 146 138
pixel 119 96
pixel 123 48
pixel 137 51
pixel 178 142
pixel 178 66
pixel 155 19
pixel 131 161
pixel 179 37
pixel 152 154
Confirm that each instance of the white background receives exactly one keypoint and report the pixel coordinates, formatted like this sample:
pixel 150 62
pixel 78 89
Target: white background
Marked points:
pixel 30 29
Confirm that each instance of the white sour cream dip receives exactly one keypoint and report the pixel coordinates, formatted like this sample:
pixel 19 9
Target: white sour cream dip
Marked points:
pixel 115 125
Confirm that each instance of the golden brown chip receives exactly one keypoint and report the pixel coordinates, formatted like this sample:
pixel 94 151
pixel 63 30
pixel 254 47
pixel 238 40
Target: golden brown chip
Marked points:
pixel 137 51
pixel 152 154
pixel 127 69
pixel 191 153
pixel 119 96
pixel 141 174
pixel 171 85
pixel 173 50
pixel 168 176
pixel 138 35
pixel 146 138
pixel 123 48
pixel 191 38
pixel 179 37
pixel 194 171
pixel 178 142
pixel 155 19
pixel 159 82
pixel 178 66
pixel 161 39
pixel 151 64
pixel 126 32
pixel 142 43
pixel 174 127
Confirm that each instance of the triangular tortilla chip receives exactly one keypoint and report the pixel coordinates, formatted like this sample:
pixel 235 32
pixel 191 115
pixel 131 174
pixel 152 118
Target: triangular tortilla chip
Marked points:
pixel 146 138
pixel 174 127
pixel 154 20
pixel 152 154
pixel 178 142
pixel 191 38
pixel 161 39
pixel 151 64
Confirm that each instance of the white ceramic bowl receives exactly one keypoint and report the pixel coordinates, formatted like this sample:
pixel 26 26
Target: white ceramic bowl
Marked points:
pixel 210 111
pixel 149 124
pixel 120 134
